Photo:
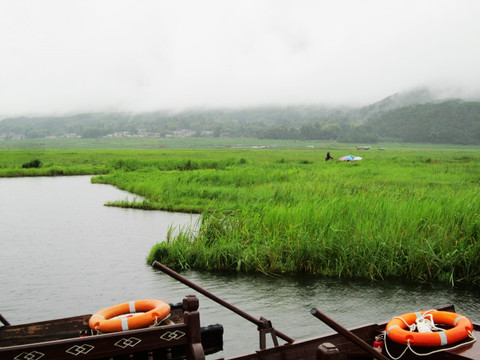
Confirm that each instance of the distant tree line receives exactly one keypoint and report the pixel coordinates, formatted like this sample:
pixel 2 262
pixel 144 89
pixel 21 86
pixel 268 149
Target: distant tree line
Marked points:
pixel 452 121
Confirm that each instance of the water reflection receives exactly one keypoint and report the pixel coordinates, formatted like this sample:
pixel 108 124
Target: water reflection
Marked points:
pixel 63 253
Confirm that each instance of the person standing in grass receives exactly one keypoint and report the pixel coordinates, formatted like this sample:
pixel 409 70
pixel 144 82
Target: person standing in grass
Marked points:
pixel 328 157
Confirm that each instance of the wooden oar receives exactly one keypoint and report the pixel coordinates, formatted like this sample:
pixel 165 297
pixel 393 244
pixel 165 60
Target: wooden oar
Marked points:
pixel 4 321
pixel 261 323
pixel 348 334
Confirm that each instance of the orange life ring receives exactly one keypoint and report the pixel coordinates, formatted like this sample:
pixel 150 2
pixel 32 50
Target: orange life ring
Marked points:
pixel 107 320
pixel 462 327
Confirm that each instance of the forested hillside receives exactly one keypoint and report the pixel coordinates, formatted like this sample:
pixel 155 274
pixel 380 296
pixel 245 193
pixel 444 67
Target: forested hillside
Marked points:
pixel 454 121
pixel 396 118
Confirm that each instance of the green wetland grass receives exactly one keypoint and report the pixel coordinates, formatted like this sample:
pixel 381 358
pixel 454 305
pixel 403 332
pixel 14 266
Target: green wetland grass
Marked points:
pixel 408 215
pixel 406 212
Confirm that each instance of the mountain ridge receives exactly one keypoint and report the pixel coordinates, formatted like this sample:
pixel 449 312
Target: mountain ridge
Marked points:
pixel 407 116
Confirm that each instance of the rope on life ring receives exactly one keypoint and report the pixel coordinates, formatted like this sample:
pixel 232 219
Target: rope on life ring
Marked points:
pixel 110 320
pixel 462 328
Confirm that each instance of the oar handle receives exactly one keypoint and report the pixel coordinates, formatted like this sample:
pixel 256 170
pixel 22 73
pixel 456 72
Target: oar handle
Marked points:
pixel 182 279
pixel 348 334
pixel 4 321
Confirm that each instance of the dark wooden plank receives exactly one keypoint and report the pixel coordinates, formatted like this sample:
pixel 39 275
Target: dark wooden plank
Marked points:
pixel 43 331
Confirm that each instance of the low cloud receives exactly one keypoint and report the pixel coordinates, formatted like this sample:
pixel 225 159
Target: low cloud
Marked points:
pixel 121 55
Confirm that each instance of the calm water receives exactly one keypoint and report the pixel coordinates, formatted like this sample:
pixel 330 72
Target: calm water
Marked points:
pixel 63 253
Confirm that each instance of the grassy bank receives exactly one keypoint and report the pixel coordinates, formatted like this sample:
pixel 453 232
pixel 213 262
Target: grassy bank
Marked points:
pixel 406 212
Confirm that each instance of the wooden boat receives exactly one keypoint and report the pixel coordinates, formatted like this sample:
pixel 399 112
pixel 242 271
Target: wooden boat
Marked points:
pixel 179 336
pixel 357 343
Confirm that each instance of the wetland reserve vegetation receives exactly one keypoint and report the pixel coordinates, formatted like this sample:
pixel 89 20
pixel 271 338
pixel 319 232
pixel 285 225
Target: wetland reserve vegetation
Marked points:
pixel 407 211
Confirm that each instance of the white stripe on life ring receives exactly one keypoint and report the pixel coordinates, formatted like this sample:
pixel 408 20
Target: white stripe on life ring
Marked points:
pixel 391 327
pixel 124 323
pixel 131 306
pixel 443 338
pixel 458 318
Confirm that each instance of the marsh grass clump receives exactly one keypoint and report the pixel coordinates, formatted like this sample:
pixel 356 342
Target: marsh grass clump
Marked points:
pixel 32 164
pixel 295 241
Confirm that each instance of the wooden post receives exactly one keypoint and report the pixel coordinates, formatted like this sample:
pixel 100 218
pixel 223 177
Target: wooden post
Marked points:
pixel 191 318
pixel 263 330
pixel 328 351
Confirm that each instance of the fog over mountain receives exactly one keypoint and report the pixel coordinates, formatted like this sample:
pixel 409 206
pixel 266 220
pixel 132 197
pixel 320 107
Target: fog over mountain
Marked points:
pixel 68 57
pixel 414 116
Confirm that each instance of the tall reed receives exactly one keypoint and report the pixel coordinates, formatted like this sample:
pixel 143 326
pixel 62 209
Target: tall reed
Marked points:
pixel 410 217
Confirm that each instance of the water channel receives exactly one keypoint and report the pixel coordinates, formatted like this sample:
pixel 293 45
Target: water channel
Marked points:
pixel 63 253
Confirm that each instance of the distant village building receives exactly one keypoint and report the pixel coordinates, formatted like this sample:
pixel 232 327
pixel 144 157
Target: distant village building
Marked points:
pixel 121 134
pixel 181 133
pixel 149 134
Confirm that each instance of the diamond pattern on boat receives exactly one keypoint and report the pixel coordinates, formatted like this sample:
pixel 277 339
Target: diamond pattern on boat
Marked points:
pixel 130 342
pixel 172 335
pixel 80 349
pixel 33 355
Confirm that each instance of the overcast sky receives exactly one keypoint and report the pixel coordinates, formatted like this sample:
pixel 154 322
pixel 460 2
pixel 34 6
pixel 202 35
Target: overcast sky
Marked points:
pixel 64 56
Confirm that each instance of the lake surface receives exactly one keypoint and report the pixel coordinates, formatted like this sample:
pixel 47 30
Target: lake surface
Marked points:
pixel 63 253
